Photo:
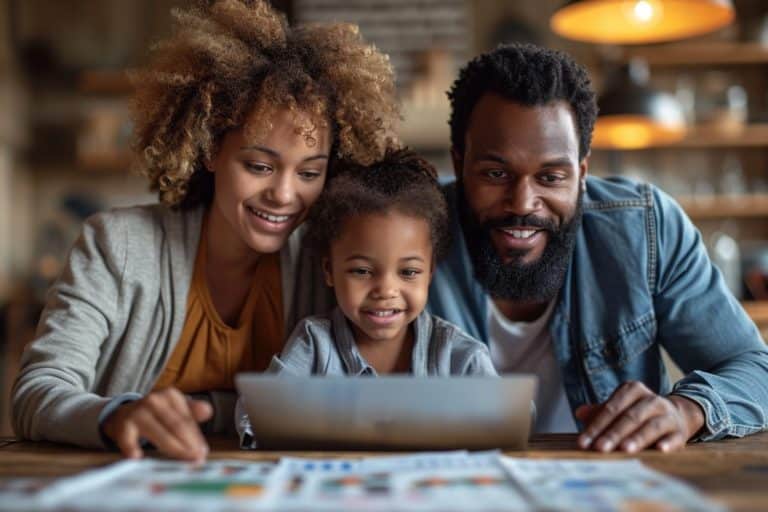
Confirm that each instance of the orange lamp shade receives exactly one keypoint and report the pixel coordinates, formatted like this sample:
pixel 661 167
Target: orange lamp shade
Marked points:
pixel 634 132
pixel 640 21
pixel 632 115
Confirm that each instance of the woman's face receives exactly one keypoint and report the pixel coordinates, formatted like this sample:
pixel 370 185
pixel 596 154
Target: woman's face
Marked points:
pixel 264 184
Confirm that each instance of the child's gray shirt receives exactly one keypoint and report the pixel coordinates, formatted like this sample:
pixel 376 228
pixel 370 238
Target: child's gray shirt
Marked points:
pixel 325 345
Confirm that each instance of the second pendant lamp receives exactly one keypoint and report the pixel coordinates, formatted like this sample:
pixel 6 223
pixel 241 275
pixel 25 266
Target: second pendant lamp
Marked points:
pixel 633 116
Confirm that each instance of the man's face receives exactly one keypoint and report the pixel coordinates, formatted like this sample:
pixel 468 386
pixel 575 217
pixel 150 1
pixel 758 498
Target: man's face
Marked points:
pixel 520 195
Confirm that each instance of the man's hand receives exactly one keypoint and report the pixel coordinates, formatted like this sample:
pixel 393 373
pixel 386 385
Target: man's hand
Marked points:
pixel 167 419
pixel 634 418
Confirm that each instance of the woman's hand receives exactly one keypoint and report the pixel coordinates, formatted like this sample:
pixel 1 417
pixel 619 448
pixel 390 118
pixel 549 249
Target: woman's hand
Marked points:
pixel 635 417
pixel 167 419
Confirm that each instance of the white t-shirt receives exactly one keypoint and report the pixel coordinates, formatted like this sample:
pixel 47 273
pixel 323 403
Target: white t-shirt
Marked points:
pixel 526 347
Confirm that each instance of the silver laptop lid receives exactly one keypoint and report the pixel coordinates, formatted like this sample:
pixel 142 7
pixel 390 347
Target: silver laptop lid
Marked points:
pixel 390 412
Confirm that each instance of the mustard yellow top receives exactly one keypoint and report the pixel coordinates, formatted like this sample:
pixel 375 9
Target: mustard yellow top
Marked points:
pixel 209 352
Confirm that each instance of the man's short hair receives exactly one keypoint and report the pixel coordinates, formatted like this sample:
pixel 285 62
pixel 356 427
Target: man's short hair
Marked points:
pixel 529 75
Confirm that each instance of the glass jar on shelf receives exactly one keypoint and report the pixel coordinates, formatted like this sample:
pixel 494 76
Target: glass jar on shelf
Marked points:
pixel 721 102
pixel 733 183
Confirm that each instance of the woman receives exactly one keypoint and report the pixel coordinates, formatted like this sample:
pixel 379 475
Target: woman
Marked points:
pixel 238 120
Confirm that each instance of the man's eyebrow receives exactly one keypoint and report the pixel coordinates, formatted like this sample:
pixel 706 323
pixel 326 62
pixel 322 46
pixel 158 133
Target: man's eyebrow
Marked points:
pixel 493 157
pixel 563 161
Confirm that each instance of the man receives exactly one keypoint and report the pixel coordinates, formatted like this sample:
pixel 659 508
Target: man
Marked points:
pixel 582 280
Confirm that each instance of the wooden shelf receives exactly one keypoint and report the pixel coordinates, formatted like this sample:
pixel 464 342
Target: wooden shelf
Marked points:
pixel 700 54
pixel 718 207
pixel 118 161
pixel 750 135
pixel 105 82
pixel 753 135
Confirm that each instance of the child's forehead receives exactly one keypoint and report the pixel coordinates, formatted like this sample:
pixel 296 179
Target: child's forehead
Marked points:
pixel 383 230
pixel 382 219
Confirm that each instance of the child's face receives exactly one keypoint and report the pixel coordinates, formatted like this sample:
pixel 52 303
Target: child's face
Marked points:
pixel 380 267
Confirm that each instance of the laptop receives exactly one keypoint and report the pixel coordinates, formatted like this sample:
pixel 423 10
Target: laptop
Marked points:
pixel 388 412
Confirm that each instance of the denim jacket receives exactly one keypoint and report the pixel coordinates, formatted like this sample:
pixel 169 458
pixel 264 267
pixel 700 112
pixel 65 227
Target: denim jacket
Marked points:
pixel 639 279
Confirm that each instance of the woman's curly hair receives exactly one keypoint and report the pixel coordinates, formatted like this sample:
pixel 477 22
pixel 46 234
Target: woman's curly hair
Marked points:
pixel 240 57
pixel 401 181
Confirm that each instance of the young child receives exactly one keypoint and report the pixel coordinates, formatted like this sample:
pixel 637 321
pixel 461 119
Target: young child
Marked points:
pixel 380 229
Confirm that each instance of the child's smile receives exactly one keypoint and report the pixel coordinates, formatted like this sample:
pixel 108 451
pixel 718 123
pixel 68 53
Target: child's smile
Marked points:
pixel 383 316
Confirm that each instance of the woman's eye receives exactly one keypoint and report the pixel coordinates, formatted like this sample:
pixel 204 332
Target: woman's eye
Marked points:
pixel 258 168
pixel 310 175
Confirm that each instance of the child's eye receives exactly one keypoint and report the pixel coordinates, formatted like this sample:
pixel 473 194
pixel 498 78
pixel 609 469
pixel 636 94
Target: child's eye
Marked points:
pixel 410 273
pixel 360 271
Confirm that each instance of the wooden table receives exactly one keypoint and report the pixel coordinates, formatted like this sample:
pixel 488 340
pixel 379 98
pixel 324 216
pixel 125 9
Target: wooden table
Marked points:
pixel 733 471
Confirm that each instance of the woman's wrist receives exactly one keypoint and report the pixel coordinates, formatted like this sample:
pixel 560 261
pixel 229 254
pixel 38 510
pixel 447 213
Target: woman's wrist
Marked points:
pixel 108 413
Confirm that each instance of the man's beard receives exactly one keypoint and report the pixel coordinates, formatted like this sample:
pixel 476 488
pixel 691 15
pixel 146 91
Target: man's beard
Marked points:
pixel 535 282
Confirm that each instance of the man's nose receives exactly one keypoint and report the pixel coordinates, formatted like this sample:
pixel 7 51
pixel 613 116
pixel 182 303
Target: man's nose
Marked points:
pixel 522 197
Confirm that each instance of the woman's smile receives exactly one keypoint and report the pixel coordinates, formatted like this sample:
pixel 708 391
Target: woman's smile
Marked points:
pixel 265 220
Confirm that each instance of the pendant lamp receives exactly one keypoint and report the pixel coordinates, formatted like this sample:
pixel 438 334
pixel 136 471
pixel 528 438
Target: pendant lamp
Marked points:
pixel 632 115
pixel 639 21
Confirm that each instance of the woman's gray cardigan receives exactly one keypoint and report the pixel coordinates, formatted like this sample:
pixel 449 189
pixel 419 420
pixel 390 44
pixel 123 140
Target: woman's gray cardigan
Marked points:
pixel 113 317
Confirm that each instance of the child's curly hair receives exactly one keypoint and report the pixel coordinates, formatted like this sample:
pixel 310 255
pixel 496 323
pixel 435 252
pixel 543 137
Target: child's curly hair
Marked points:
pixel 402 181
pixel 240 57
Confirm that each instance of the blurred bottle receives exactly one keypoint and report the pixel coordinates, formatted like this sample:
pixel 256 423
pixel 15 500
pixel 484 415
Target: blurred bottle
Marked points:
pixel 702 176
pixel 732 180
pixel 725 254
pixel 721 102
pixel 685 92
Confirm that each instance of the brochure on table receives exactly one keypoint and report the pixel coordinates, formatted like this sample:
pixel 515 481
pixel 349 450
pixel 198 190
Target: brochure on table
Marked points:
pixel 445 481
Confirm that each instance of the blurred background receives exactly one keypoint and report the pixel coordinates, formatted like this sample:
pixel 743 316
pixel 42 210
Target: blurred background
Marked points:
pixel 687 111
